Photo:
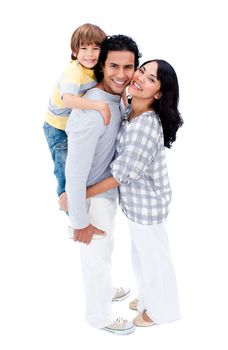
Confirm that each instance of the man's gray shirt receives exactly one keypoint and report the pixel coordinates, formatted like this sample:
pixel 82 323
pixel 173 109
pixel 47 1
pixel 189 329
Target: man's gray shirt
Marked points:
pixel 91 147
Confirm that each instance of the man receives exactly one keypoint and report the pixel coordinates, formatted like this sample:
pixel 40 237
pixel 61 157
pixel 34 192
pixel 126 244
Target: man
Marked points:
pixel 91 147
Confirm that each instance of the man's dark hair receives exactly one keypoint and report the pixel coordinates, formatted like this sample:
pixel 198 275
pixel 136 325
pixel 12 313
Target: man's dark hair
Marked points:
pixel 116 43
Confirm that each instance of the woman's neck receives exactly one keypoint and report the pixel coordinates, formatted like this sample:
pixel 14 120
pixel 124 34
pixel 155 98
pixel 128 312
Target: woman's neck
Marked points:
pixel 138 108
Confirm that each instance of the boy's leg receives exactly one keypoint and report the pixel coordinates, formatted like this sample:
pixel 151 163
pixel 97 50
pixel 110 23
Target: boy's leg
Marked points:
pixel 57 142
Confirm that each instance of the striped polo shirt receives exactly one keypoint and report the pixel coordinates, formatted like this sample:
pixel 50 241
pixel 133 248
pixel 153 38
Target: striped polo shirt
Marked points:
pixel 75 80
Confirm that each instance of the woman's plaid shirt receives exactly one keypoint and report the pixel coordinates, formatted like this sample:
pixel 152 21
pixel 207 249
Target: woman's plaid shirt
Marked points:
pixel 140 168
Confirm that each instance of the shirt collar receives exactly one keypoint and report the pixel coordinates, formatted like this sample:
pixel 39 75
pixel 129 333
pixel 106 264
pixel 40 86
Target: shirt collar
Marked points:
pixel 127 112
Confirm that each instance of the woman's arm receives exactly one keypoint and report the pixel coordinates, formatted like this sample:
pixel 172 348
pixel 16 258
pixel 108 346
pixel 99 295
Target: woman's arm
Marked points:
pixel 102 186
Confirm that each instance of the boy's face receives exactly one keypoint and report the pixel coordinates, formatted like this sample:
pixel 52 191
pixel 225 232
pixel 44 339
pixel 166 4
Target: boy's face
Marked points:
pixel 88 55
pixel 118 71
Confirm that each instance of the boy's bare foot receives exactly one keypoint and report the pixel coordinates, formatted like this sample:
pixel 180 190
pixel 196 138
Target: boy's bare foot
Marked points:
pixel 63 201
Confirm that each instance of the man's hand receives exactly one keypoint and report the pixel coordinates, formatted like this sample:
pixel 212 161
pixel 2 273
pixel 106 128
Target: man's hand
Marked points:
pixel 85 235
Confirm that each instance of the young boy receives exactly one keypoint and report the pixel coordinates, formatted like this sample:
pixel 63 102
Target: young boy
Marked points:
pixel 77 78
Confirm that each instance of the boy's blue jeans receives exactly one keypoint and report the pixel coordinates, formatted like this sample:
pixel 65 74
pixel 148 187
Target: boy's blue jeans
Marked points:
pixel 57 142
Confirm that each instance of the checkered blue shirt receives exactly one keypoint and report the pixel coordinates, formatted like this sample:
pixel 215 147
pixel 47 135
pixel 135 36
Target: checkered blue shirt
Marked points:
pixel 140 168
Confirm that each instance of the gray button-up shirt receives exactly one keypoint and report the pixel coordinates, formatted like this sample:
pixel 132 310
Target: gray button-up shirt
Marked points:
pixel 140 167
pixel 91 148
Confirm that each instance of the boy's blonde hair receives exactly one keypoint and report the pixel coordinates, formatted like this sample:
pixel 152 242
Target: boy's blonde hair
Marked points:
pixel 87 34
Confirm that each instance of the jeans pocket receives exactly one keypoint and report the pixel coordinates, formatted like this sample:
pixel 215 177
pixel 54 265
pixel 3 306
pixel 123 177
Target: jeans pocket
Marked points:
pixel 54 136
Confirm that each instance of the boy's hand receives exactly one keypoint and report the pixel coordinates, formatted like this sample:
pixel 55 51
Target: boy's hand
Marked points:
pixel 106 114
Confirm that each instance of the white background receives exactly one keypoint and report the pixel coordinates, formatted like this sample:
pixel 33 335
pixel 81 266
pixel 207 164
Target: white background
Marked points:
pixel 42 305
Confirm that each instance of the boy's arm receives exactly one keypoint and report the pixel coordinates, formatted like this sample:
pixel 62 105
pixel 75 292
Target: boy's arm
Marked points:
pixel 101 187
pixel 78 102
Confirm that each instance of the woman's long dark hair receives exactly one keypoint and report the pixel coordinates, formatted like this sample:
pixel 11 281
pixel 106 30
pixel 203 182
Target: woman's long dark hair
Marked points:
pixel 167 106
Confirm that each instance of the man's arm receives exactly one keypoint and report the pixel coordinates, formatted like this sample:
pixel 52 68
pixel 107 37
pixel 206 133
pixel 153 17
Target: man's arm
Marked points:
pixel 83 130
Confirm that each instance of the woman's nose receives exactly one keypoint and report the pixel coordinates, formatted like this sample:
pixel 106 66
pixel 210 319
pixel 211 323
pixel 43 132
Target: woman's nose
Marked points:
pixel 140 76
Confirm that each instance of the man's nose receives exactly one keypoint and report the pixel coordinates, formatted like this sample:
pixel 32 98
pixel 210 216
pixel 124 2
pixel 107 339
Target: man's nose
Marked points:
pixel 121 73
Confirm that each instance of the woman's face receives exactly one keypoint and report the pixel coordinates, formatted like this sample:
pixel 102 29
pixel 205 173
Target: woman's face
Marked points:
pixel 145 84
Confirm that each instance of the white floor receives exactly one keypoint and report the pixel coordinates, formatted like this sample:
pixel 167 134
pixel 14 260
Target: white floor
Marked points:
pixel 42 305
pixel 41 298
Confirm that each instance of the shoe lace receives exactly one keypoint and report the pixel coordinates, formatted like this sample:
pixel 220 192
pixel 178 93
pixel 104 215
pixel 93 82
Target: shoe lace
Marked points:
pixel 119 321
pixel 119 291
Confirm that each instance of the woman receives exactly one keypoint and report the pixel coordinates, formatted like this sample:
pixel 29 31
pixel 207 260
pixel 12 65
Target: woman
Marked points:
pixel 139 169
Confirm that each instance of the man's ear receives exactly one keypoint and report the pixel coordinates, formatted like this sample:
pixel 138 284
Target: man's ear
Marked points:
pixel 101 67
pixel 158 95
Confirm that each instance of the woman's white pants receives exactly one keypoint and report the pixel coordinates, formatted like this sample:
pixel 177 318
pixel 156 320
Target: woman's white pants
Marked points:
pixel 154 272
pixel 96 264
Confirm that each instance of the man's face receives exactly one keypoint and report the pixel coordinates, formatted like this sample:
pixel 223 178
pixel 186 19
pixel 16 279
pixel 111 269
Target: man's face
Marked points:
pixel 118 71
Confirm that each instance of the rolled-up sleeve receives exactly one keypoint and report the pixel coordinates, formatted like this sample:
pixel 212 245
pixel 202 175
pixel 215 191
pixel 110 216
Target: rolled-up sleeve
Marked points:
pixel 138 147
pixel 71 81
pixel 83 130
pixel 69 88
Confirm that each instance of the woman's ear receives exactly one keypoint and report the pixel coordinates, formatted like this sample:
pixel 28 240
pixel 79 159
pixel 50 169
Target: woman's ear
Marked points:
pixel 158 95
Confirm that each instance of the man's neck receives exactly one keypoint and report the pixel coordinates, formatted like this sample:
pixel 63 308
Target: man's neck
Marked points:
pixel 100 85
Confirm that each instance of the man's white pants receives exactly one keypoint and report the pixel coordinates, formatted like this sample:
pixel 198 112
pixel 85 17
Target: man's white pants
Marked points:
pixel 96 264
pixel 155 276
